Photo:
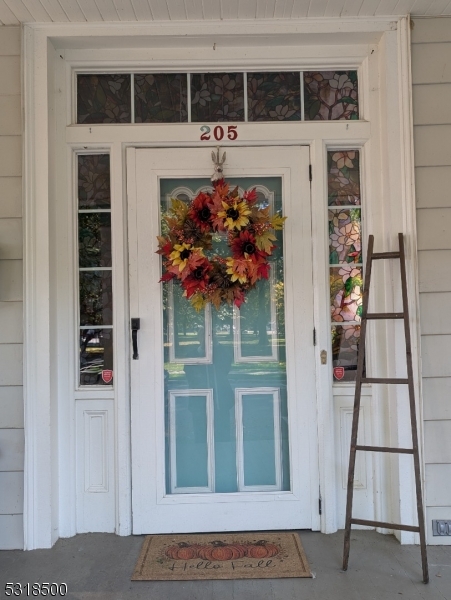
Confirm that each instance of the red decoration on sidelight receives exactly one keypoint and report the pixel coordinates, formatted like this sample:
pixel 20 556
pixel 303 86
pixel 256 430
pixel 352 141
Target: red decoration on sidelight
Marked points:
pixel 339 372
pixel 107 375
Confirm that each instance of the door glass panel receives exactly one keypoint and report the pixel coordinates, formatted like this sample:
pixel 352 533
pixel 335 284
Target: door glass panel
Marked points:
pixel 225 373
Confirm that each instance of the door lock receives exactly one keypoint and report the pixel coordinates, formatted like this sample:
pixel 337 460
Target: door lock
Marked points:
pixel 135 327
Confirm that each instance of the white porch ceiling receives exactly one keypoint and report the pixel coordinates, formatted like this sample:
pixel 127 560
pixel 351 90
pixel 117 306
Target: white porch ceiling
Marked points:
pixel 13 12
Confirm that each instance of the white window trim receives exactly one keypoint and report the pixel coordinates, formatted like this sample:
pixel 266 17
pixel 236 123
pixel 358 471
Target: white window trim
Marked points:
pixel 45 445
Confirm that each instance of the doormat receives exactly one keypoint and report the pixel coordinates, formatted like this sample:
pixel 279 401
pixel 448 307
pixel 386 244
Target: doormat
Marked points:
pixel 253 555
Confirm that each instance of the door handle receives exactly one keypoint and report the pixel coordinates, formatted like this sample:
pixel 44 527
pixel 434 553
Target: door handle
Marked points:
pixel 135 326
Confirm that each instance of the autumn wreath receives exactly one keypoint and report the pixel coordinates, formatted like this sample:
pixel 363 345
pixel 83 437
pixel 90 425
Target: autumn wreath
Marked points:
pixel 187 245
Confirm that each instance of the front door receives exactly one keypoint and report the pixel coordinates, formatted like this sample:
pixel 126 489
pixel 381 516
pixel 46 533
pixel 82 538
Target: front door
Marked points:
pixel 223 400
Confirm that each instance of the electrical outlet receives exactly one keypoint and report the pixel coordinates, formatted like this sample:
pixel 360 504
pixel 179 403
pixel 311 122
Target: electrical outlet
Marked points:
pixel 440 527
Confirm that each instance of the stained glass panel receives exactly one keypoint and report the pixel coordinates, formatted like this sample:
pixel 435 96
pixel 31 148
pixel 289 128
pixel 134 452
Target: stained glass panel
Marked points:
pixel 96 298
pixel 343 174
pixel 103 98
pixel 345 245
pixel 330 95
pixel 96 354
pixel 161 98
pixel 274 96
pixel 94 239
pixel 217 97
pixel 346 293
pixel 345 345
pixel 94 181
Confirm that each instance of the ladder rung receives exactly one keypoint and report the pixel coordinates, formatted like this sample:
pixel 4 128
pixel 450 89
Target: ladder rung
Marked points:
pixel 385 449
pixel 383 380
pixel 375 316
pixel 382 255
pixel 385 525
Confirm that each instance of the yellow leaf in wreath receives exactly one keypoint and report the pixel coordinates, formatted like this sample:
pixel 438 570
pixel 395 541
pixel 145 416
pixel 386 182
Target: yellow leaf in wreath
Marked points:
pixel 198 302
pixel 179 208
pixel 277 221
pixel 264 241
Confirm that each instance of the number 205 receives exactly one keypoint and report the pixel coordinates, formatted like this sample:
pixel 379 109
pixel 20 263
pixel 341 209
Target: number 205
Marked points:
pixel 219 132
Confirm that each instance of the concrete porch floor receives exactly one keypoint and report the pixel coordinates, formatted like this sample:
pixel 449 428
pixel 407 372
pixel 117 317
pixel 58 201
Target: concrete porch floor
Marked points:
pixel 99 566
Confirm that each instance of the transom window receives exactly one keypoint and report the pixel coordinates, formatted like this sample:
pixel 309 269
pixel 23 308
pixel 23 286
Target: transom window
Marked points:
pixel 215 97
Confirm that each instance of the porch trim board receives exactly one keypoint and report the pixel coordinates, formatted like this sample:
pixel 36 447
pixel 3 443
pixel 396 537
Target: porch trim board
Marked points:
pixel 50 504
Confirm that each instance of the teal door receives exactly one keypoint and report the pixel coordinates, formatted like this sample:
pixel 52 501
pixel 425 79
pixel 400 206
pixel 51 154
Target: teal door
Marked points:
pixel 225 375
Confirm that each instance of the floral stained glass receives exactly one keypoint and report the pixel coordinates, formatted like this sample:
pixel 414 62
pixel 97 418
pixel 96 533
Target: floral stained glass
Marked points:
pixel 94 181
pixel 217 97
pixel 346 293
pixel 345 244
pixel 96 354
pixel 343 177
pixel 94 239
pixel 274 96
pixel 161 98
pixel 345 346
pixel 104 98
pixel 96 298
pixel 330 95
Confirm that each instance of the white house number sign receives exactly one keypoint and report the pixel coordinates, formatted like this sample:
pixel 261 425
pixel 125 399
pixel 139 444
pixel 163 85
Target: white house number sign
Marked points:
pixel 218 133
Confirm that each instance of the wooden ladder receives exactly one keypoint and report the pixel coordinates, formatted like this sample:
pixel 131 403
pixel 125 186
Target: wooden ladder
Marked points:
pixel 360 379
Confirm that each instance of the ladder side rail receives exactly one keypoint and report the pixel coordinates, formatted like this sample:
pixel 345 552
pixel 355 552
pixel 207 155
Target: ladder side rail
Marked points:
pixel 357 398
pixel 413 418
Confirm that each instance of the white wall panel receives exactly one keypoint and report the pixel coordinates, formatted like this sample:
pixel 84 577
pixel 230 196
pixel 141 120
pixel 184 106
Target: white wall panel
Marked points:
pixel 11 361
pixel 435 313
pixel 10 75
pixel 11 196
pixel 434 270
pixel 437 442
pixel 95 466
pixel 11 532
pixel 431 30
pixel 10 156
pixel 438 485
pixel 9 40
pixel 11 406
pixel 432 145
pixel 436 398
pixel 436 355
pixel 434 228
pixel 11 492
pixel 11 449
pixel 431 63
pixel 363 480
pixel 11 322
pixel 431 103
pixel 433 187
pixel 11 286
pixel 11 239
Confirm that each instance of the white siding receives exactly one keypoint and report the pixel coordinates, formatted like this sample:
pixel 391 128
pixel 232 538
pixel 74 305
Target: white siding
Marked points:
pixel 11 293
pixel 431 75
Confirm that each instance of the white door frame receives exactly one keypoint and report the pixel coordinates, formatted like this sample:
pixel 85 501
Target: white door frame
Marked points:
pixel 49 451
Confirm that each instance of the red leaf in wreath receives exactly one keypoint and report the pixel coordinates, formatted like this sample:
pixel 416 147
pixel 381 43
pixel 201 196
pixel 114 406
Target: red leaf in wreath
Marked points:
pixel 263 270
pixel 250 196
pixel 167 277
